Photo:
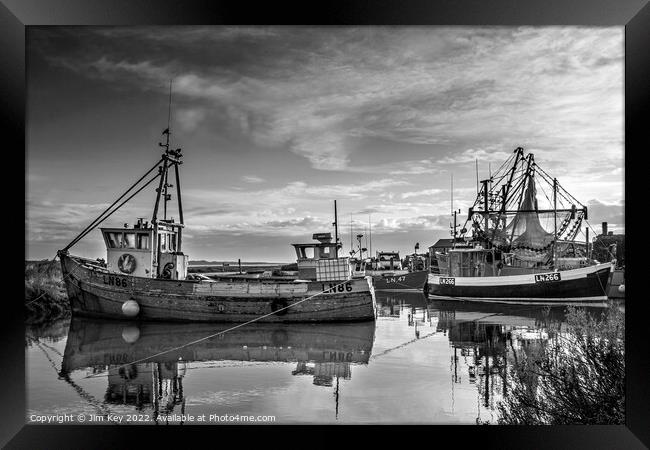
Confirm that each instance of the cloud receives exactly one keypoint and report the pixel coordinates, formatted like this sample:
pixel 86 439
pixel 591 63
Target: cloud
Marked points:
pixel 252 179
pixel 425 192
pixel 612 213
pixel 190 119
pixel 482 91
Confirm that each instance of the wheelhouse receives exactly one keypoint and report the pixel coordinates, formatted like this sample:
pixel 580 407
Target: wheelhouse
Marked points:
pixel 146 250
pixel 320 261
pixel 388 261
pixel 472 262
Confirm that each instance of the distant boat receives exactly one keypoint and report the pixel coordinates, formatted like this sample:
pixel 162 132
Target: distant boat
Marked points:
pixel 511 257
pixel 389 272
pixel 145 275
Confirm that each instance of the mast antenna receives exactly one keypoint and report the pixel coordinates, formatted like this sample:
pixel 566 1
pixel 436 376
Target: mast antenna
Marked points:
pixel 476 176
pixel 351 236
pixel 370 230
pixel 169 114
pixel 452 193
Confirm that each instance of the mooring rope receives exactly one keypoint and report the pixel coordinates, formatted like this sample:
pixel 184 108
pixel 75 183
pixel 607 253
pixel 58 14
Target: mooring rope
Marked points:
pixel 225 331
pixel 402 345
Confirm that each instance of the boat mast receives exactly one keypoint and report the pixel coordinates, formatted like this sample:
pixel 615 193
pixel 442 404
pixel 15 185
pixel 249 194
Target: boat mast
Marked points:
pixel 169 158
pixel 167 196
pixel 453 213
pixel 336 230
pixel 554 223
pixel 486 209
pixel 524 185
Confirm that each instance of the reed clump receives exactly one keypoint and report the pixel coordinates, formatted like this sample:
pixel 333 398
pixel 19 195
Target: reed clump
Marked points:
pixel 45 295
pixel 577 377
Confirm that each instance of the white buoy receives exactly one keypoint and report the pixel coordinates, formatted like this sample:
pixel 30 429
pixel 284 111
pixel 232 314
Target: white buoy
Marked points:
pixel 131 334
pixel 621 289
pixel 130 308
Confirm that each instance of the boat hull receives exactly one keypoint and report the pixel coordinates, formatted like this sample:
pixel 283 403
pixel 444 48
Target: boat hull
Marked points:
pixel 410 280
pixel 616 280
pixel 586 284
pixel 94 292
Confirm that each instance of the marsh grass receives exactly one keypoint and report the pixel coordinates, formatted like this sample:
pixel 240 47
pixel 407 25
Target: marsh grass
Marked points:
pixel 45 294
pixel 578 377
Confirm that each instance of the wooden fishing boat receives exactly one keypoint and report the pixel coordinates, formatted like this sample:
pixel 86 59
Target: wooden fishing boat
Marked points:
pixel 145 276
pixel 510 256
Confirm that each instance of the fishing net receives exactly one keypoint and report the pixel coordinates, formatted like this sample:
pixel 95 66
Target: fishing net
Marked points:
pixel 525 233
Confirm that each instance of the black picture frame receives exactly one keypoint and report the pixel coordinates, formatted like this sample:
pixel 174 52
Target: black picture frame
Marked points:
pixel 15 15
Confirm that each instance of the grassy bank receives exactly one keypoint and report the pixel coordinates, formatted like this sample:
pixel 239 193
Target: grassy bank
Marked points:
pixel 578 377
pixel 45 296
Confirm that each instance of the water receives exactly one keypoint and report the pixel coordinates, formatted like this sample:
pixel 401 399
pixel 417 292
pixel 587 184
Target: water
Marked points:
pixel 422 362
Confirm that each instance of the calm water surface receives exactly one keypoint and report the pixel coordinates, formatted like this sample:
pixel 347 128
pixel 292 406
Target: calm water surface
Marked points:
pixel 427 362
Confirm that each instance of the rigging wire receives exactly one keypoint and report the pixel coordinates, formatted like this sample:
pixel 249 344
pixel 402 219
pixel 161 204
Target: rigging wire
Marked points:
pixel 548 177
pixel 93 224
pixel 84 234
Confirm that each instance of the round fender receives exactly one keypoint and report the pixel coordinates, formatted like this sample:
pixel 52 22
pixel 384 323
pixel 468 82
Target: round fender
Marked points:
pixel 130 308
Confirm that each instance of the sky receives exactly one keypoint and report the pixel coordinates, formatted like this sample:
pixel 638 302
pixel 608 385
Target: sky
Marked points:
pixel 276 123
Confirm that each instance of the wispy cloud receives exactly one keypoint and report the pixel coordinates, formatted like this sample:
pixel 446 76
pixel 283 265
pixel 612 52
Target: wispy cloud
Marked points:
pixel 412 85
pixel 252 179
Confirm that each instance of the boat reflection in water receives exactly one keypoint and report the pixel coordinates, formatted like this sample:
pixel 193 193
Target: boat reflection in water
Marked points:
pixel 422 361
pixel 324 351
pixel 484 341
pixel 487 338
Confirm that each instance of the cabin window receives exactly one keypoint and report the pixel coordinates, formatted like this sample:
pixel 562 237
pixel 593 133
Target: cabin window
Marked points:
pixel 129 240
pixel 308 252
pixel 114 239
pixel 325 252
pixel 172 242
pixel 143 241
pixel 163 242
